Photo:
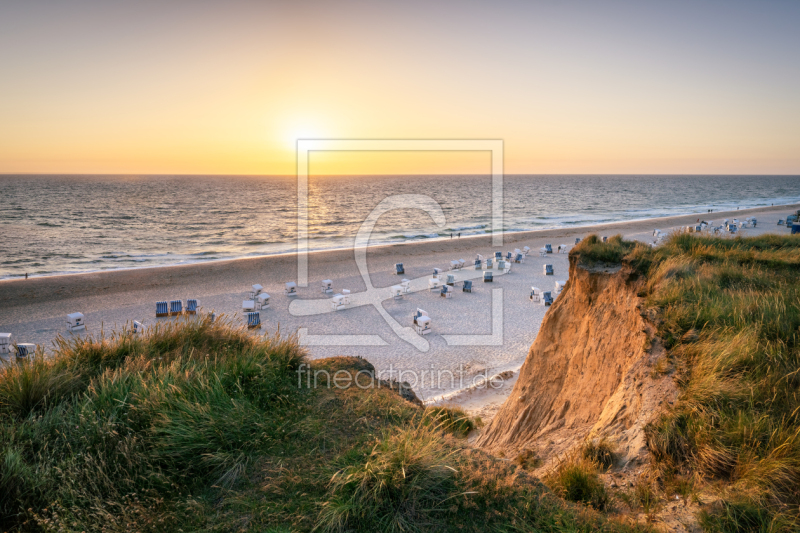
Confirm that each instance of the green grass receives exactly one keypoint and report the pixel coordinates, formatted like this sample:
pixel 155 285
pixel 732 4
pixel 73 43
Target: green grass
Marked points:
pixel 728 311
pixel 576 479
pixel 197 426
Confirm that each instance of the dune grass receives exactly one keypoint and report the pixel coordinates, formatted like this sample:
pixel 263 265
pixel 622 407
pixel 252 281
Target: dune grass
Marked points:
pixel 198 426
pixel 728 310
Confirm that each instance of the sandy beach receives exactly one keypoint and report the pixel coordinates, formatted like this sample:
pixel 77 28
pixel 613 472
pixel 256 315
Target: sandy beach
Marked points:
pixel 450 359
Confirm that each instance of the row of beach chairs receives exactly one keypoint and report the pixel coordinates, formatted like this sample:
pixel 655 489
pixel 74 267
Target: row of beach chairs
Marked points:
pixel 175 308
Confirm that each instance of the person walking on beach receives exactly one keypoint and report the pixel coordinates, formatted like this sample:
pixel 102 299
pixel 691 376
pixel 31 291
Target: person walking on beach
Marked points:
pixel 26 275
pixel 459 234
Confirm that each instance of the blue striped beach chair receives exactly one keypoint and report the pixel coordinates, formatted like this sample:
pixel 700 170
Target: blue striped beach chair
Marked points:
pixel 478 264
pixel 161 309
pixel 498 255
pixel 548 248
pixel 253 321
pixel 191 307
pixel 398 268
pixel 547 299
pixel 488 277
pixel 24 350
pixel 467 286
pixel 518 258
pixel 548 270
pixel 175 307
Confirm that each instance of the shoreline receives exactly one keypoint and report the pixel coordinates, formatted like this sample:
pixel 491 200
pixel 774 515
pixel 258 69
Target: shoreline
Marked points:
pixel 509 238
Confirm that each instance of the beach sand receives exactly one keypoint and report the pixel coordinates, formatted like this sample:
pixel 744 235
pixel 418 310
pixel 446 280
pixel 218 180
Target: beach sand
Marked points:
pixel 437 367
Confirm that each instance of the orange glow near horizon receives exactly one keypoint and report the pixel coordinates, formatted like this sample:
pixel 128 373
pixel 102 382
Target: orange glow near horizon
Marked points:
pixel 229 89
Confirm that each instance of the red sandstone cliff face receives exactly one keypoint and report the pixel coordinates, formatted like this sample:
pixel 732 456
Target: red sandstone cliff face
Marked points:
pixel 592 371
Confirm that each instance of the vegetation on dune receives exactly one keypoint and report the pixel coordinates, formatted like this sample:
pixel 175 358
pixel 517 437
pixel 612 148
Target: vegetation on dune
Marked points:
pixel 728 311
pixel 198 426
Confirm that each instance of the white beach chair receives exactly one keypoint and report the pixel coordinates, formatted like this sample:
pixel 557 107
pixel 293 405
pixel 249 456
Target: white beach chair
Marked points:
pixel 437 272
pixel 542 251
pixel 338 302
pixel 526 250
pixel 454 265
pixel 75 322
pixel 255 291
pixel 447 291
pixel 506 268
pixel 25 350
pixel 291 288
pixel 138 327
pixel 479 257
pixel 327 286
pixel 562 248
pixel 406 285
pixel 536 294
pixel 419 314
pixel 434 284
pixel 397 292
pixel 5 343
pixel 423 325
pixel 461 263
pixel 560 286
pixel 262 301
pixel 248 306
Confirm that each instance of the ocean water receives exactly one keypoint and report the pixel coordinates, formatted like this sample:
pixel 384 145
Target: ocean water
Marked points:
pixel 58 224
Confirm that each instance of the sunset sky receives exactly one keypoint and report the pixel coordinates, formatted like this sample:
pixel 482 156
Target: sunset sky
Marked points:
pixel 199 87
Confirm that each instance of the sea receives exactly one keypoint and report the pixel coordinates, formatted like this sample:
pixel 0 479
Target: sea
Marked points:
pixel 55 224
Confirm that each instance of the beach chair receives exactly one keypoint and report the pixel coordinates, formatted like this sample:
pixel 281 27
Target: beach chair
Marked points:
pixel 795 229
pixel 75 322
pixel 191 306
pixel 454 265
pixel 398 269
pixel 327 286
pixel 446 292
pixel 577 240
pixel 248 306
pixel 25 350
pixel 547 299
pixel 434 284
pixel 437 272
pixel 212 317
pixel 488 277
pixel 290 289
pixel 754 222
pixel 562 248
pixel 162 309
pixel 138 327
pixel 560 286
pixel 498 255
pixel 423 325
pixel 605 239
pixel 406 285
pixel 5 343
pixel 461 263
pixel 175 307
pixel 780 222
pixel 542 251
pixel 509 256
pixel 467 286
pixel 548 248
pixel 501 265
pixel 338 302
pixel 397 292
pixel 488 263
pixel 526 250
pixel 451 280
pixel 420 313
pixel 506 268
pixel 262 301
pixel 478 264
pixel 253 321
pixel 479 257
pixel 255 291
pixel 536 294
pixel 519 259
pixel 732 228
pixel 548 270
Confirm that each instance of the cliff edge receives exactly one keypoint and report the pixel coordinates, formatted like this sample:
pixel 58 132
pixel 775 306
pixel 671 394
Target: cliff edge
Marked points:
pixel 593 371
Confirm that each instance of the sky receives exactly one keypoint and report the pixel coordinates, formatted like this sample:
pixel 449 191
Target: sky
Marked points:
pixel 601 87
